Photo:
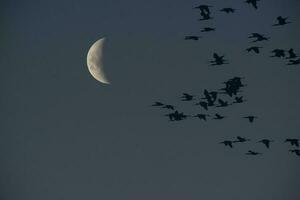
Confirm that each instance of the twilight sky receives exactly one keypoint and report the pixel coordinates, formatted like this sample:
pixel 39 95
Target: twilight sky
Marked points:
pixel 66 136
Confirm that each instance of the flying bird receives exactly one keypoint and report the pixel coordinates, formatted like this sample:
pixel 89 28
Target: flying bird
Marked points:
pixel 228 10
pixel 218 116
pixel 202 116
pixel 266 142
pixel 227 143
pixel 187 97
pixel 259 37
pixel 254 49
pixel 293 142
pixel 169 107
pixel 253 153
pixel 281 21
pixel 204 8
pixel 218 60
pixel 223 103
pixel 191 37
pixel 208 29
pixel 292 54
pixel 278 53
pixel 250 118
pixel 203 104
pixel 205 16
pixel 253 3
pixel 157 103
pixel 239 99
pixel 241 139
pixel 296 151
pixel 294 62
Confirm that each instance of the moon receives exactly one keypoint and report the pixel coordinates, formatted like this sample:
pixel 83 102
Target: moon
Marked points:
pixel 95 63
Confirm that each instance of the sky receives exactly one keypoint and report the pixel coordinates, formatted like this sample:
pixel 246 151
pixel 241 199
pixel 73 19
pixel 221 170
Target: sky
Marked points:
pixel 66 136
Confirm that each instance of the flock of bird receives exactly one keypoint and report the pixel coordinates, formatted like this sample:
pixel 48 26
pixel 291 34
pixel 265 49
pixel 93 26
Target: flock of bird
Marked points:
pixel 232 88
pixel 265 142
pixel 205 13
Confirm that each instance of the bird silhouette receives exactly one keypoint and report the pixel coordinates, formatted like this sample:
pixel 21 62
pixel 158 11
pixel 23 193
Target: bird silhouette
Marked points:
pixel 205 16
pixel 208 29
pixel 239 99
pixel 204 8
pixel 202 116
pixel 157 103
pixel 296 151
pixel 187 97
pixel 169 107
pixel 253 3
pixel 281 21
pixel 294 62
pixel 203 104
pixel 176 116
pixel 191 37
pixel 254 49
pixel 292 54
pixel 218 60
pixel 227 10
pixel 278 53
pixel 241 139
pixel 253 153
pixel 250 118
pixel 227 143
pixel 266 142
pixel 218 116
pixel 222 103
pixel 258 37
pixel 293 141
pixel 210 99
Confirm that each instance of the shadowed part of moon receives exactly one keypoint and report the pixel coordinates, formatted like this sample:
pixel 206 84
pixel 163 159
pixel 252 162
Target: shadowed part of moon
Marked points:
pixel 95 63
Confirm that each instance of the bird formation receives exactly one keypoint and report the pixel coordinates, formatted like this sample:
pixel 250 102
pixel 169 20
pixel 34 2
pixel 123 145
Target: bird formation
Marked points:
pixel 212 102
pixel 266 142
pixel 206 14
pixel 209 101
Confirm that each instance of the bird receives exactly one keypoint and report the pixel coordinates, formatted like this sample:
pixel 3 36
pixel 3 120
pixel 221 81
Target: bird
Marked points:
pixel 227 143
pixel 202 116
pixel 294 62
pixel 253 2
pixel 296 151
pixel 218 116
pixel 187 97
pixel 250 118
pixel 204 8
pixel 292 54
pixel 208 29
pixel 169 107
pixel 223 103
pixel 253 153
pixel 259 37
pixel 176 116
pixel 278 53
pixel 157 103
pixel 203 104
pixel 228 10
pixel 219 60
pixel 205 16
pixel 254 48
pixel 266 142
pixel 281 21
pixel 241 139
pixel 293 141
pixel 191 37
pixel 239 99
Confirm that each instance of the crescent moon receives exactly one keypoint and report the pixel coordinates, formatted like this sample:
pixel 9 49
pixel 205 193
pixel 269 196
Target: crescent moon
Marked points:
pixel 95 63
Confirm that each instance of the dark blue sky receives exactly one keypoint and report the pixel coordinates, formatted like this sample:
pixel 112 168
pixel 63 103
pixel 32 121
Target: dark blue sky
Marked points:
pixel 66 136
